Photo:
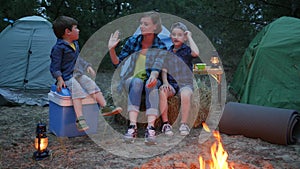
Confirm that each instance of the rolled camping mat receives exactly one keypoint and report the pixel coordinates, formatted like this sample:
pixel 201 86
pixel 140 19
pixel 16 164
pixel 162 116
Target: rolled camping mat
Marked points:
pixel 274 125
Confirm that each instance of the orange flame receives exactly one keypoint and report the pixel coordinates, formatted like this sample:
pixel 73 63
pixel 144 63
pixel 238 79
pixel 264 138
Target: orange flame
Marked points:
pixel 218 154
pixel 205 127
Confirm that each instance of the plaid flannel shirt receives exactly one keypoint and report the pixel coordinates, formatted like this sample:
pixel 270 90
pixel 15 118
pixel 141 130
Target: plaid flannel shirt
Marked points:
pixel 180 67
pixel 130 52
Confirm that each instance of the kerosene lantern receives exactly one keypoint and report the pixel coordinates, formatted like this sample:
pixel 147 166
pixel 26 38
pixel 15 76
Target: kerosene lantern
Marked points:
pixel 41 142
pixel 215 60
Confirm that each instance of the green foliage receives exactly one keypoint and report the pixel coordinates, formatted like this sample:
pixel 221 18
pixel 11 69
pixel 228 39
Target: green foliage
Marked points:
pixel 229 24
pixel 16 9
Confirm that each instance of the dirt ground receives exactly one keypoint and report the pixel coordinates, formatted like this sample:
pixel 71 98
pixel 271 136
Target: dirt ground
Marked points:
pixel 107 150
pixel 17 126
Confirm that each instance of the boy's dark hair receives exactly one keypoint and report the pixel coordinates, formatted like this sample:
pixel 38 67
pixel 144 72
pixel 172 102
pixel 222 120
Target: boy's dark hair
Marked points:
pixel 61 23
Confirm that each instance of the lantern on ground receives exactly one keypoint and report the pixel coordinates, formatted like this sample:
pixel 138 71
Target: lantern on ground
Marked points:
pixel 215 60
pixel 41 142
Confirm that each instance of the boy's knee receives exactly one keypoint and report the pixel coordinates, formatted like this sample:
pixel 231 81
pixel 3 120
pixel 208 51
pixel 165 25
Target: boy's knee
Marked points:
pixel 186 93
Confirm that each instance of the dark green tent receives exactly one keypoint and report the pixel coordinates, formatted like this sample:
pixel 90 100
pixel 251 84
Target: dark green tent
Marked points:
pixel 269 71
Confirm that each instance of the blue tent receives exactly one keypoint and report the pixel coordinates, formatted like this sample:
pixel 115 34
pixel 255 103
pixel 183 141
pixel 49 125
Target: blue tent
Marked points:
pixel 25 54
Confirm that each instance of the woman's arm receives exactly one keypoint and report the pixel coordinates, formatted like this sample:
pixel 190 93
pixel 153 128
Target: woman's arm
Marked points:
pixel 112 43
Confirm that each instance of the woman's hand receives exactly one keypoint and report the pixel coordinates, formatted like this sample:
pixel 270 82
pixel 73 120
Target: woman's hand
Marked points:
pixel 113 40
pixel 151 82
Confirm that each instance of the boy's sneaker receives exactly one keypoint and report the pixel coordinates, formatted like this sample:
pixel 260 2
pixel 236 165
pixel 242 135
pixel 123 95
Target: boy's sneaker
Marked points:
pixel 81 124
pixel 184 129
pixel 167 129
pixel 131 134
pixel 110 110
pixel 150 136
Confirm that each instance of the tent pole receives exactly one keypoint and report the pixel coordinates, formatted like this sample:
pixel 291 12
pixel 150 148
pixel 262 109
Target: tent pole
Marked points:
pixel 29 52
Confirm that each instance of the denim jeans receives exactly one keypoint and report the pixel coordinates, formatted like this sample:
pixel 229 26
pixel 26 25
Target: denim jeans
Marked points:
pixel 135 88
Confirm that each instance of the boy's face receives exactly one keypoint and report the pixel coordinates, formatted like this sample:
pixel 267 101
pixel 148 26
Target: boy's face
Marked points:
pixel 178 37
pixel 147 26
pixel 74 33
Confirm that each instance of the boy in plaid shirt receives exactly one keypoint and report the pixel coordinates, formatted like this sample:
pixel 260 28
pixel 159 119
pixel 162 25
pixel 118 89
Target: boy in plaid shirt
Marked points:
pixel 177 76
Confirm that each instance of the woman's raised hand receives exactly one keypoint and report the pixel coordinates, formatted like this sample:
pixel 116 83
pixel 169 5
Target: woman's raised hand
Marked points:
pixel 114 40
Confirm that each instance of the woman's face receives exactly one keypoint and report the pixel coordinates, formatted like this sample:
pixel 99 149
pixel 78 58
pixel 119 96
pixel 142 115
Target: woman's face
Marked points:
pixel 147 26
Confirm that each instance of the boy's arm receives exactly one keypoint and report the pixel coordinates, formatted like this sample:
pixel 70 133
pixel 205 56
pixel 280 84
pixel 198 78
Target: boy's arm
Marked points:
pixel 91 71
pixel 60 83
pixel 81 66
pixel 86 66
pixel 164 76
pixel 193 46
pixel 55 67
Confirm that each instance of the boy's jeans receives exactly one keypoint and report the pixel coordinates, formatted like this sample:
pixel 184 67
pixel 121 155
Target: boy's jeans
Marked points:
pixel 135 88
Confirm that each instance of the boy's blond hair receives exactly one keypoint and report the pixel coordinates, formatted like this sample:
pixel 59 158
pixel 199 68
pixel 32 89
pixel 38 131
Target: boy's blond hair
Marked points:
pixel 179 25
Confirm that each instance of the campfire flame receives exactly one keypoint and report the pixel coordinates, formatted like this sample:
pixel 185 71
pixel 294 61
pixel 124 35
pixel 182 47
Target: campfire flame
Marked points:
pixel 218 154
pixel 205 127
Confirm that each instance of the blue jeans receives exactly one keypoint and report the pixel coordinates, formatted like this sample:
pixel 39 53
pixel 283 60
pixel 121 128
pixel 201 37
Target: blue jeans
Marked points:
pixel 135 88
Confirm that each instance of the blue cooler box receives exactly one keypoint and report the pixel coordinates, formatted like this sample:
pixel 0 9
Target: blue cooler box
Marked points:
pixel 62 116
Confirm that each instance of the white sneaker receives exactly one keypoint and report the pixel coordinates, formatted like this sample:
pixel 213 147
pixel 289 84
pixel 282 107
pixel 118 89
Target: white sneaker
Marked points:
pixel 131 134
pixel 167 129
pixel 150 136
pixel 184 129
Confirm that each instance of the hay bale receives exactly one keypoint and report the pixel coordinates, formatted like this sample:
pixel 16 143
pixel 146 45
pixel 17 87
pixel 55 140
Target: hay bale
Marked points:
pixel 203 101
pixel 199 108
pixel 173 112
pixel 204 106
